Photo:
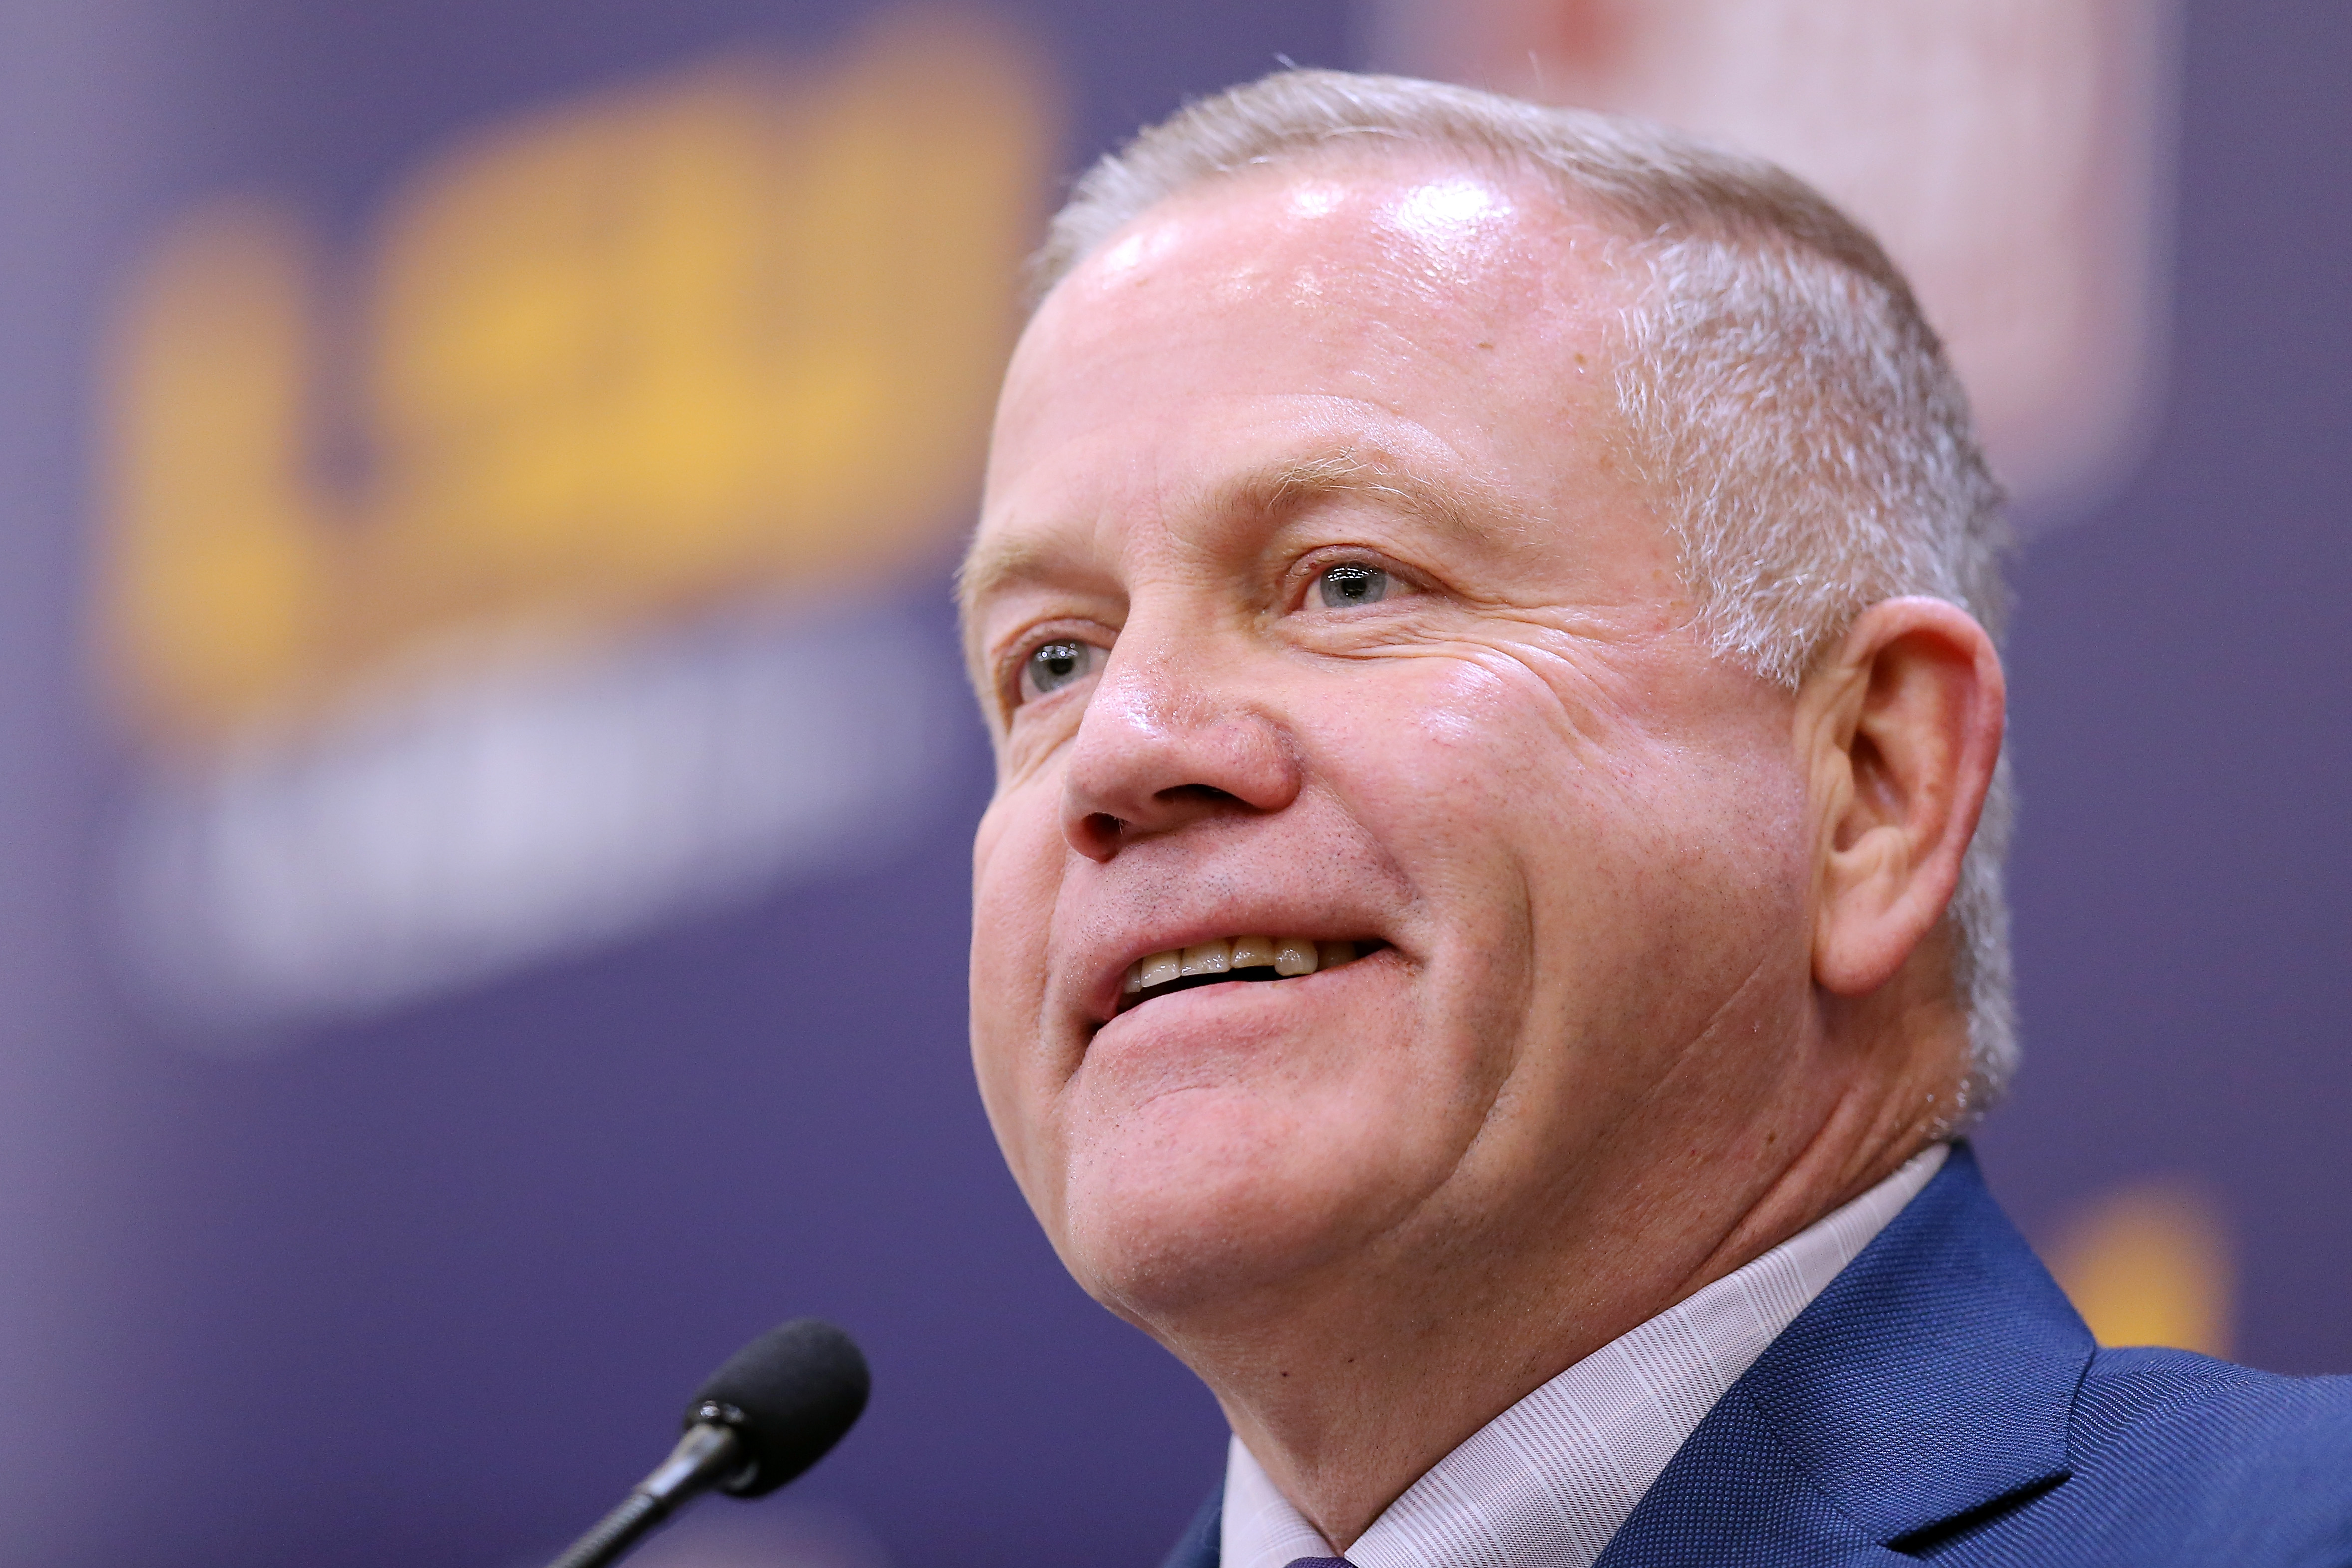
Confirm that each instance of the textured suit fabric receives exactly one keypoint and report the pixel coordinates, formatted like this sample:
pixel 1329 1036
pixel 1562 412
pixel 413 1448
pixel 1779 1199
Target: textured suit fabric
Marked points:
pixel 1940 1401
pixel 1197 1547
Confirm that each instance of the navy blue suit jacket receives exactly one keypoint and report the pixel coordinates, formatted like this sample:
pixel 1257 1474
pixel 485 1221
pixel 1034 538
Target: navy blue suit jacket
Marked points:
pixel 1941 1402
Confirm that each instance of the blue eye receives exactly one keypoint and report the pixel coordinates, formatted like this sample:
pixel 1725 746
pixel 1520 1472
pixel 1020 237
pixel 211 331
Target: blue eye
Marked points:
pixel 1346 586
pixel 1055 665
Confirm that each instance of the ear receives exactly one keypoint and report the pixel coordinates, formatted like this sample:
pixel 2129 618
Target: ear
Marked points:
pixel 1902 726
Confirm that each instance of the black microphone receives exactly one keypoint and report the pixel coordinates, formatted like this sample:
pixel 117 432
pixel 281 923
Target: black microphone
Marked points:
pixel 777 1407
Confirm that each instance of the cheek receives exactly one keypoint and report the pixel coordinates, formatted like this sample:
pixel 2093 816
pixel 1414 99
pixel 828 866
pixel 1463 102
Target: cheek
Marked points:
pixel 1604 849
pixel 1454 768
pixel 1667 868
pixel 1017 858
pixel 1591 761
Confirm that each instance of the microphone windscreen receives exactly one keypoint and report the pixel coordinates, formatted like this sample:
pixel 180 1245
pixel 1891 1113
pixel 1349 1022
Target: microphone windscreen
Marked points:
pixel 800 1386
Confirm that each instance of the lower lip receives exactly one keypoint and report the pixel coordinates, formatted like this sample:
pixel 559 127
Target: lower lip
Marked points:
pixel 1233 1000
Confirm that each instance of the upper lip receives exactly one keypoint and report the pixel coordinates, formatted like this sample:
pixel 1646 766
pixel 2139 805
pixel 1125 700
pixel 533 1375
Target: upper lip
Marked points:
pixel 1102 961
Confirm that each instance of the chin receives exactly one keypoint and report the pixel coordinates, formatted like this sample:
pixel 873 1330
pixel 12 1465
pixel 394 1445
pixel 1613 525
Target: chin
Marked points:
pixel 1204 1205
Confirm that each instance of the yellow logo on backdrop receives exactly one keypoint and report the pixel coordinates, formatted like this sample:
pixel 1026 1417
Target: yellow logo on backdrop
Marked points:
pixel 2150 1264
pixel 652 349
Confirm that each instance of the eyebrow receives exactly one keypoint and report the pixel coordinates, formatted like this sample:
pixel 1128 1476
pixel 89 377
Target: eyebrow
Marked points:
pixel 1462 507
pixel 990 564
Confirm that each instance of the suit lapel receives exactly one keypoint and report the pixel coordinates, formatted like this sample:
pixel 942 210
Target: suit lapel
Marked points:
pixel 1203 1541
pixel 1932 1379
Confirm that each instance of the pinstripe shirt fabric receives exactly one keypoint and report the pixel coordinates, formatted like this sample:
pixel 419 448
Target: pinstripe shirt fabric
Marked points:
pixel 1548 1482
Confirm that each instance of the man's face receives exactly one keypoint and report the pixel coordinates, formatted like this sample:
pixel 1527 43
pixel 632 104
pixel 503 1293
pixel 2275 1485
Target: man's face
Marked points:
pixel 1315 597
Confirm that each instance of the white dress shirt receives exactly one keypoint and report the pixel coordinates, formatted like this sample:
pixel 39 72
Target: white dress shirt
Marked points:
pixel 1547 1483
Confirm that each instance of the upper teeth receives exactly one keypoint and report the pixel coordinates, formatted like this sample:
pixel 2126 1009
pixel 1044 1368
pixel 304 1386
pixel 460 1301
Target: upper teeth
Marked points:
pixel 1283 954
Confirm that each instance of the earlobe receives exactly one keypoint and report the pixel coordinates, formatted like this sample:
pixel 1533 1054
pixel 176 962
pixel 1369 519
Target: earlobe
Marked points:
pixel 1903 724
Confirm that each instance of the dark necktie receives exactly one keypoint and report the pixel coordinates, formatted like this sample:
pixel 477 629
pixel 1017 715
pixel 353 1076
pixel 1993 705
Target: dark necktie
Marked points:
pixel 1318 1563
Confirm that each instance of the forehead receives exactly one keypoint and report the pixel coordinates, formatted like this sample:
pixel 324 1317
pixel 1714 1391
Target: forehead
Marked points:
pixel 1327 233
pixel 1404 315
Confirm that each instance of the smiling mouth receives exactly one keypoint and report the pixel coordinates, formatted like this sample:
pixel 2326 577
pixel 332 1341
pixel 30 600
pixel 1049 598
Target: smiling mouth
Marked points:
pixel 1243 958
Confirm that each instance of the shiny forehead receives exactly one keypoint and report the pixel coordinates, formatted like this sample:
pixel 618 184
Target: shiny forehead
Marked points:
pixel 1436 229
pixel 1441 219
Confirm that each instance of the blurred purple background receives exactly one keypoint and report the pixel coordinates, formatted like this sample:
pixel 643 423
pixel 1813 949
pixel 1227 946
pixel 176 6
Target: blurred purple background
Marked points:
pixel 429 1284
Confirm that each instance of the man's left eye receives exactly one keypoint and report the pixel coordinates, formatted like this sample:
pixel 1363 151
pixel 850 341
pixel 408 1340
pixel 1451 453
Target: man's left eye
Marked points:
pixel 1346 586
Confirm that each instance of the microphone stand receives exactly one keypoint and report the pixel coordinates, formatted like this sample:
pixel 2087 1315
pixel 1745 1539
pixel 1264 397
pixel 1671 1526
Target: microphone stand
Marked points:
pixel 709 1455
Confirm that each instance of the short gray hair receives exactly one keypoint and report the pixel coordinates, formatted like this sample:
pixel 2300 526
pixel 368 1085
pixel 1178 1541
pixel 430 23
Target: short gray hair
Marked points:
pixel 1781 388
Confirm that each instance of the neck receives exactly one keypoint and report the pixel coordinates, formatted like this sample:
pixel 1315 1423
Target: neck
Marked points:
pixel 1349 1386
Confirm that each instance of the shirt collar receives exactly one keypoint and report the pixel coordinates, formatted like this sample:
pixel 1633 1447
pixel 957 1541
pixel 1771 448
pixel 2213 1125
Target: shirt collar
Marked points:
pixel 1549 1480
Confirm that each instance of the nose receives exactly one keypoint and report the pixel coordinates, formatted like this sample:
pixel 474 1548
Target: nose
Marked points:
pixel 1170 738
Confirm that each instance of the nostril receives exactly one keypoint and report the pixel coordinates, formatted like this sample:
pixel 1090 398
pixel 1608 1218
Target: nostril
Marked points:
pixel 1098 835
pixel 1197 794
